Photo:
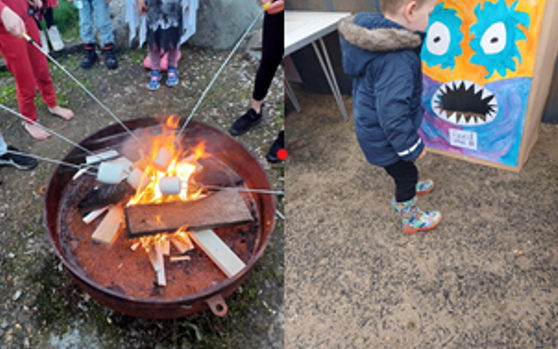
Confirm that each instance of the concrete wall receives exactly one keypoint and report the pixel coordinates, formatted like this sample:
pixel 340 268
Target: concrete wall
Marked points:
pixel 305 59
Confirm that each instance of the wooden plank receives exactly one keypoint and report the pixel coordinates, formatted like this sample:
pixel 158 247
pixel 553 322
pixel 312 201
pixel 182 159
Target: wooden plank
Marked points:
pixel 180 258
pixel 223 208
pixel 218 252
pixel 107 231
pixel 94 215
pixel 180 246
pixel 542 78
pixel 472 159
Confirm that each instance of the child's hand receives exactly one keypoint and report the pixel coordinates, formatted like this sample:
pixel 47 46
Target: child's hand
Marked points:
pixel 35 3
pixel 274 7
pixel 423 154
pixel 13 23
pixel 142 7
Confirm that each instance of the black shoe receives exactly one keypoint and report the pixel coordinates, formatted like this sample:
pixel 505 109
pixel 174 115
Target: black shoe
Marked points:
pixel 89 56
pixel 110 57
pixel 246 122
pixel 21 162
pixel 275 147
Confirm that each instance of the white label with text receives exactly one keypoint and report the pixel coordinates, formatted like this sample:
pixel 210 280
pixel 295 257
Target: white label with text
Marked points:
pixel 463 139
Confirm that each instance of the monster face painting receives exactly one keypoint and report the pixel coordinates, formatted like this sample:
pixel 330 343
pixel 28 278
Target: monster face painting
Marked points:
pixel 478 59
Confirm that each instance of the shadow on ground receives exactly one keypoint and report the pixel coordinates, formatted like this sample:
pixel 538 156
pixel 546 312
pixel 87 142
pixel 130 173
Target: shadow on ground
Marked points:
pixel 487 277
pixel 40 305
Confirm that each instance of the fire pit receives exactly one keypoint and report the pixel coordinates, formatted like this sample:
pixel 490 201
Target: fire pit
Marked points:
pixel 123 279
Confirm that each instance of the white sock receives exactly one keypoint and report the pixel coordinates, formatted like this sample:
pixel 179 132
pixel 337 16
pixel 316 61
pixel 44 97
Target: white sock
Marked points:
pixel 3 146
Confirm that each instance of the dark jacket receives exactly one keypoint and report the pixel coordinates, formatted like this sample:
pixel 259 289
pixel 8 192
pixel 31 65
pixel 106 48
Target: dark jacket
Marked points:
pixel 384 59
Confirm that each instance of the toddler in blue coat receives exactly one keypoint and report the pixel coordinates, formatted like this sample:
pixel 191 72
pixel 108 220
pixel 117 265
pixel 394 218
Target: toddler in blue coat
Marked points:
pixel 382 54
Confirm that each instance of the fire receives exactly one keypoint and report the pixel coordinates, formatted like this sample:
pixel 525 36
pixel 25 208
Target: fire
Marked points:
pixel 183 165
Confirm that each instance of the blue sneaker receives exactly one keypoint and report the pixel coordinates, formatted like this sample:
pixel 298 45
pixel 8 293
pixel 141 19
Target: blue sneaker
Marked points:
pixel 154 80
pixel 172 77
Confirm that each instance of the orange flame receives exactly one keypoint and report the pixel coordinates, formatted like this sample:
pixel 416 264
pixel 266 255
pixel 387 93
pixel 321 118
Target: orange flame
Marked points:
pixel 183 165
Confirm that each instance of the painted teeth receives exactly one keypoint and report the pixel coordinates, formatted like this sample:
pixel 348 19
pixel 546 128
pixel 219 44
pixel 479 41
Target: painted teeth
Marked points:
pixel 461 118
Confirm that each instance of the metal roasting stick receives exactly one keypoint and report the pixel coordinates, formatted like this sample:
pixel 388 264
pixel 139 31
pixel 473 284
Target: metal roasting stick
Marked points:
pixel 46 129
pixel 220 70
pixel 57 162
pixel 279 214
pixel 259 191
pixel 31 41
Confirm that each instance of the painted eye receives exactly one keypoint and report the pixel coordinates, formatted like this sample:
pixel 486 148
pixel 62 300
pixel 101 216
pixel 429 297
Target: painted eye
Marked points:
pixel 438 39
pixel 494 39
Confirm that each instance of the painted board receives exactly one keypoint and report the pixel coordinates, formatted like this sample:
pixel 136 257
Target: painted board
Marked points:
pixel 480 70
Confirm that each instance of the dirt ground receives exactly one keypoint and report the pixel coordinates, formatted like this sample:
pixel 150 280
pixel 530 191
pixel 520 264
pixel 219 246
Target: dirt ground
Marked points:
pixel 40 305
pixel 487 277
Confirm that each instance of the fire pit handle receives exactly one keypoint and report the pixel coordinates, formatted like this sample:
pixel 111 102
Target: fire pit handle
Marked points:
pixel 217 305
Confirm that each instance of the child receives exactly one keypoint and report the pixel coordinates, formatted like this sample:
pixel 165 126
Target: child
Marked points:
pixel 51 29
pixel 104 26
pixel 272 56
pixel 382 54
pixel 28 64
pixel 167 24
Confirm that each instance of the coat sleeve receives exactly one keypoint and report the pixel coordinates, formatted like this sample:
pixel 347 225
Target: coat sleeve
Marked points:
pixel 394 84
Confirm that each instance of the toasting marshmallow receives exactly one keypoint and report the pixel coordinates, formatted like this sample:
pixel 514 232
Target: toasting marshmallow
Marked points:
pixel 138 179
pixel 170 185
pixel 110 173
pixel 163 160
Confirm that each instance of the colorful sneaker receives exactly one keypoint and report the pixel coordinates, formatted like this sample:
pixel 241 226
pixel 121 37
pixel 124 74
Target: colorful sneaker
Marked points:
pixel 413 219
pixel 172 77
pixel 425 186
pixel 154 80
pixel 21 162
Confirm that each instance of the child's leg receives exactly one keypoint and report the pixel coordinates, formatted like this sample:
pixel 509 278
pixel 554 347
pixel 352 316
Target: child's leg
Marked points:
pixel 86 22
pixel 49 17
pixel 16 54
pixel 405 175
pixel 155 57
pixel 173 57
pixel 102 20
pixel 40 70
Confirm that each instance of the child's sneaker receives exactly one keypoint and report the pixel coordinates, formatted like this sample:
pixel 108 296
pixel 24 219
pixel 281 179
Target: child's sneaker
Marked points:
pixel 172 77
pixel 89 56
pixel 44 41
pixel 246 122
pixel 21 162
pixel 55 39
pixel 154 80
pixel 110 57
pixel 425 186
pixel 413 219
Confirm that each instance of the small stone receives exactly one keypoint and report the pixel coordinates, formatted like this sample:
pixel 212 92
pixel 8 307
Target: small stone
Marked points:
pixel 16 295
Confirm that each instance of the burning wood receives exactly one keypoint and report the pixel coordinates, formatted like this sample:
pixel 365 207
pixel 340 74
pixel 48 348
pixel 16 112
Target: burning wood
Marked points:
pixel 106 194
pixel 106 231
pixel 220 209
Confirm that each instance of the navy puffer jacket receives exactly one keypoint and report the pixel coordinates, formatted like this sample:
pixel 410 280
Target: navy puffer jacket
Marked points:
pixel 384 60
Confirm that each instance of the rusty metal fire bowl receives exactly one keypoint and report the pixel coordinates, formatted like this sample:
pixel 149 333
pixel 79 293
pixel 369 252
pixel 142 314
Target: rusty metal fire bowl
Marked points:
pixel 122 279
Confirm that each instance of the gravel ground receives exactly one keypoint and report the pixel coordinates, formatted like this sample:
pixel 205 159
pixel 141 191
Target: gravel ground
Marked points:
pixel 40 305
pixel 487 277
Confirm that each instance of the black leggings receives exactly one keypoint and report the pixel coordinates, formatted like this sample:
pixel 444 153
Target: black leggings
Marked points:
pixel 405 175
pixel 49 19
pixel 272 53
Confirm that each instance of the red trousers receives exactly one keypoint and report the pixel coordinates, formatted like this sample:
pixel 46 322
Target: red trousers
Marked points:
pixel 30 69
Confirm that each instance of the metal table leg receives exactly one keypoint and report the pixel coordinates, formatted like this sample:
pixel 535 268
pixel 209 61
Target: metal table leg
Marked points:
pixel 330 76
pixel 292 96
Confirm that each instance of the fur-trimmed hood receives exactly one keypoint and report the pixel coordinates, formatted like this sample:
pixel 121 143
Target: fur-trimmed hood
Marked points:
pixel 367 35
